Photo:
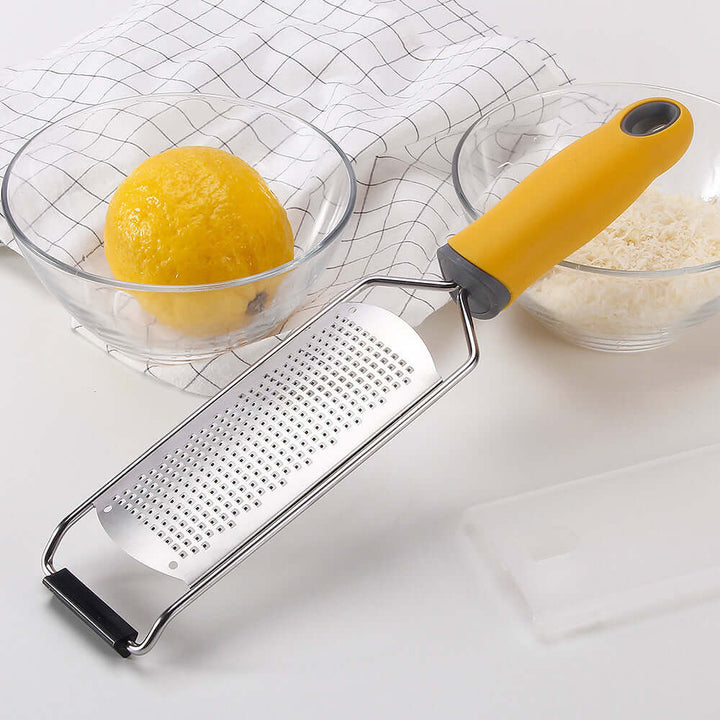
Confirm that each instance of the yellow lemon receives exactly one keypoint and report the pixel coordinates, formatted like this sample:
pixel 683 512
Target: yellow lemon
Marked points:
pixel 192 216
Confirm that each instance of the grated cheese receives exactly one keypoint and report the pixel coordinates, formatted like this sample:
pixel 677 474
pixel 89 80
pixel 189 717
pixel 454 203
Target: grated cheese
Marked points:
pixel 658 232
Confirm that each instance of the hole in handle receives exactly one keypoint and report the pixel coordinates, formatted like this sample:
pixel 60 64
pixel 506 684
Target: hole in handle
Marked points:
pixel 650 118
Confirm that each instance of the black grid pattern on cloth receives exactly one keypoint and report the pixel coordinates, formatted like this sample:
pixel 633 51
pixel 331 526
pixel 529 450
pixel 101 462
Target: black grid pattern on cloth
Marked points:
pixel 394 83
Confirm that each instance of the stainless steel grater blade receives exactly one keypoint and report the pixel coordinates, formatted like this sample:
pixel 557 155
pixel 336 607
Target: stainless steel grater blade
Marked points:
pixel 250 460
pixel 221 477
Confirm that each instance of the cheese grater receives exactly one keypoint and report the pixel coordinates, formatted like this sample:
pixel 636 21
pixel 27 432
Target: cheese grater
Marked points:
pixel 252 458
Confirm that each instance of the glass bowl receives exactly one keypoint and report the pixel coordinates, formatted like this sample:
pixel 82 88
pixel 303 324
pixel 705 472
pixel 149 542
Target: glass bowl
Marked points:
pixel 56 192
pixel 598 308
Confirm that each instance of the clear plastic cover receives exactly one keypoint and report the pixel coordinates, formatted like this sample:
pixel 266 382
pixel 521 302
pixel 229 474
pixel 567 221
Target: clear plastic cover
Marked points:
pixel 609 546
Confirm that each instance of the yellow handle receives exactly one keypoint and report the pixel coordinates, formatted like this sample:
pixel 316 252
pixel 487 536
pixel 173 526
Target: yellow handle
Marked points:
pixel 575 194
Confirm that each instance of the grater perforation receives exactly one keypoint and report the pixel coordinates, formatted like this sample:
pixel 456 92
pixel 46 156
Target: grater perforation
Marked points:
pixel 264 441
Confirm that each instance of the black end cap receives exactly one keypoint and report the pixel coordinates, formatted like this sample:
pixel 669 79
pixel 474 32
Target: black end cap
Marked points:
pixel 115 631
pixel 487 296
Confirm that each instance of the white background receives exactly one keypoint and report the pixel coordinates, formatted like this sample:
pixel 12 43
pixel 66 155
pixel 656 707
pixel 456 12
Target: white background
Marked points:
pixel 367 606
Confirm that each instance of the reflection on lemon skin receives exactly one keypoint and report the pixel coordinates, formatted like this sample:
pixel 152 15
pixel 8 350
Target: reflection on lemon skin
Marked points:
pixel 197 215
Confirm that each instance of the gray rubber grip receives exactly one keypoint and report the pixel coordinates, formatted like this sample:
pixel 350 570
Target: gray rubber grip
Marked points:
pixel 650 118
pixel 487 296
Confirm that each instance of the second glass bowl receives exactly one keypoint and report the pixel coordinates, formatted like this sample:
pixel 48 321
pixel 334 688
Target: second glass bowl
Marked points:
pixel 598 308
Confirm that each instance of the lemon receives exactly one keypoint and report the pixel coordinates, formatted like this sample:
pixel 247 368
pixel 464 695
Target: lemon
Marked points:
pixel 193 216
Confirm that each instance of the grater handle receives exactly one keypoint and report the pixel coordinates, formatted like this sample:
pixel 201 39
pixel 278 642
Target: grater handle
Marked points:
pixel 565 203
pixel 115 631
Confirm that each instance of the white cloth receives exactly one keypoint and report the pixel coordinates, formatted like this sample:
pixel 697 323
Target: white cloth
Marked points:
pixel 393 82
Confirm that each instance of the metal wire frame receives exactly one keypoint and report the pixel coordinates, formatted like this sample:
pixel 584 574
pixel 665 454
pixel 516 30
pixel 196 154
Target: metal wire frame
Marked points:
pixel 314 492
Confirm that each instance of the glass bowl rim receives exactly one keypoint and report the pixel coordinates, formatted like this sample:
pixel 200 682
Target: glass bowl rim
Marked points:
pixel 472 212
pixel 331 235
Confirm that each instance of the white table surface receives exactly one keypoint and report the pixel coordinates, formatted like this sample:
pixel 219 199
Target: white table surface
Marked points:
pixel 367 606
